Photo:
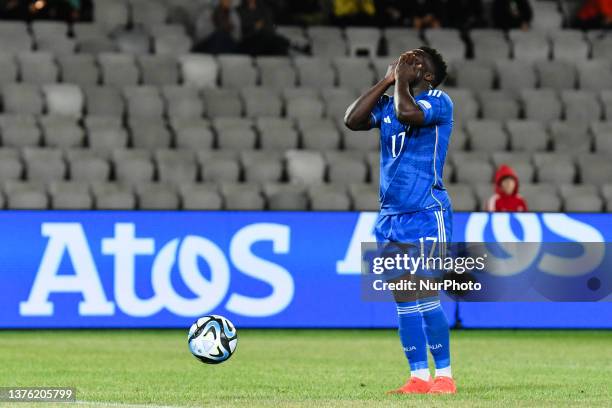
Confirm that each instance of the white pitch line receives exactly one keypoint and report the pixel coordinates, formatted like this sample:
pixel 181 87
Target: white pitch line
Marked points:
pixel 123 405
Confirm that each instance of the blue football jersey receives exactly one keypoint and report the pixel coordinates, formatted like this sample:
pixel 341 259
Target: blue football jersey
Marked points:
pixel 412 157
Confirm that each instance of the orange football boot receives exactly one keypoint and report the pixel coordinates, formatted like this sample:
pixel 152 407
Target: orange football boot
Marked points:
pixel 443 385
pixel 414 386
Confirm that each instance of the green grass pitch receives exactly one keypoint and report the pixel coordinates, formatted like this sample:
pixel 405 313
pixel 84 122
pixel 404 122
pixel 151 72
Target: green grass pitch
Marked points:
pixel 319 368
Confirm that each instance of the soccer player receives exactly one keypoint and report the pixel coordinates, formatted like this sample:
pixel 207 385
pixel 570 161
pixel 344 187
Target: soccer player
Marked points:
pixel 415 127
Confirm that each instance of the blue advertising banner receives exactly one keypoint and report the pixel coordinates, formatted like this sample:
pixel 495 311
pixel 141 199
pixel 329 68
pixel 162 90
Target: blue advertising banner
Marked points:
pixel 260 269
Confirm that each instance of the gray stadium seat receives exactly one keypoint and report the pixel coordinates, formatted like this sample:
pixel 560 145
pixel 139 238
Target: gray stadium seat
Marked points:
pixel 400 40
pixel 95 45
pixel 520 162
pixel 581 106
pixel 158 69
pixel 570 136
pixel 547 15
pixel 157 196
pixel 364 197
pixel 148 12
pixel 70 195
pixel 113 196
pixel 260 101
pixel 569 45
pixel 102 121
pixel 174 44
pixel 329 198
pixel 200 197
pixel 602 132
pixel 8 68
pixel 285 197
pixel 315 72
pixel 465 105
pixel 22 99
pixel 472 171
pixel 362 40
pixel 222 102
pixel 133 166
pixel 515 75
pixel 135 41
pixel 489 45
pixel 353 73
pixel 182 102
pixel 103 101
pixel 219 166
pixel 62 132
pixel 319 135
pixel 26 196
pixel 474 75
pixel 583 198
pixel 64 99
pixel 373 160
pixel 14 37
pixel 555 168
pixel 458 139
pixel 556 74
pixel 143 102
pixel 487 135
pixel 363 140
pixel 337 100
pixel 149 134
pixel 498 105
pixel 448 42
pixel 262 166
pixel 606 100
pixel 42 28
pixel 541 104
pixel 44 164
pixel 277 134
pixel 11 167
pixel 111 14
pixel 19 130
pixel 601 44
pixel 527 135
pixel 199 70
pixel 194 134
pixel 302 102
pixel 236 138
pixel 276 72
pixel 37 67
pixel 104 140
pixel 87 30
pixel 242 197
pixel 595 169
pixel 86 166
pixel 541 197
pixel 532 45
pixel 595 75
pixel 78 69
pixel 305 166
pixel 237 71
pixel 295 34
pixel 326 41
pixel 462 197
pixel 176 166
pixel 118 69
pixel 346 167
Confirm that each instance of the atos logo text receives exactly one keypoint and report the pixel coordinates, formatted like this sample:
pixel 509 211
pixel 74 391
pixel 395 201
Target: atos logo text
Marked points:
pixel 69 239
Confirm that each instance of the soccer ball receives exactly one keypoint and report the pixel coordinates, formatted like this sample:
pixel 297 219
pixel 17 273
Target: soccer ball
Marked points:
pixel 212 339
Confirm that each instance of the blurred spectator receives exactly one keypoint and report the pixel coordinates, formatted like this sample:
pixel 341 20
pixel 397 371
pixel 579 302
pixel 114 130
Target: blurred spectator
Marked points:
pixel 258 35
pixel 508 14
pixel 426 13
pixel 393 13
pixel 506 197
pixel 353 12
pixel 67 10
pixel 595 14
pixel 14 10
pixel 223 39
pixel 463 14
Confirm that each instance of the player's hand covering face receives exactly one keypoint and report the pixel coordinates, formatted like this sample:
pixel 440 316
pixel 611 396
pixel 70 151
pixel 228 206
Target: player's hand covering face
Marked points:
pixel 390 75
pixel 410 67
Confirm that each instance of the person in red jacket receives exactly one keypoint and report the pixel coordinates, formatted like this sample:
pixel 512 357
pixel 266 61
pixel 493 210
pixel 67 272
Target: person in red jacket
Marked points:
pixel 506 197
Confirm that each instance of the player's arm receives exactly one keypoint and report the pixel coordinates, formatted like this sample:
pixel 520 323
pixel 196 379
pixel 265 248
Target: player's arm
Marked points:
pixel 358 116
pixel 406 108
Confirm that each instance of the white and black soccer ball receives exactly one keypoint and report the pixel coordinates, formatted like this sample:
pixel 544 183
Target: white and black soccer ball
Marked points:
pixel 212 339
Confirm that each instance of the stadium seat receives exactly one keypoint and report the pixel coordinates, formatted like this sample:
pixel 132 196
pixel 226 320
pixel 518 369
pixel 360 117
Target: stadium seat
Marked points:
pixel 361 141
pixel 570 136
pixel 19 130
pixel 364 197
pixel 182 102
pixel 362 40
pixel 602 132
pixel 601 45
pixel 70 195
pixel 276 72
pixel 11 167
pixel 222 102
pixel 465 105
pixel 520 162
pixel 14 37
pixel 353 73
pixel 176 166
pixel 541 197
pixel 78 69
pixel 527 135
pixel 487 135
pixel 193 134
pixel 498 105
pixel 400 40
pixel 172 44
pixel 373 160
pixel 581 106
pixel 135 41
pixel 143 102
pixel 104 140
pixel 474 75
pixel 96 46
pixel 219 166
pixel 157 196
pixel 463 197
pixel 158 69
pixel 148 12
pixel 546 15
pixel 305 166
pixel 61 132
pixel 64 99
pixel 555 168
pixel 459 138
pixel 242 197
pixel 329 198
pixel 556 74
pixel 473 172
pixel 133 166
pixel 84 165
pixel 326 41
pixel 337 100
pixel 285 197
pixel 515 75
pixel 606 100
pixel 319 135
pixel 22 99
pixel 200 197
pixel 295 34
pixel 448 42
pixel 260 101
pixel 315 72
pixel 26 196
pixel 237 71
pixel 111 14
pixel 583 198
pixel 541 104
pixel 118 69
pixel 489 45
pixel 569 45
pixel 113 196
pixel 302 103
pixel 277 134
pixel 594 169
pixel 199 70
pixel 595 75
pixel 262 166
pixel 149 133
pixel 8 68
pixel 529 46
pixel 346 167
pixel 44 165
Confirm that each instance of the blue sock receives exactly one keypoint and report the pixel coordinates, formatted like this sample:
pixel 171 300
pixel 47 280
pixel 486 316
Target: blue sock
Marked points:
pixel 438 333
pixel 412 336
